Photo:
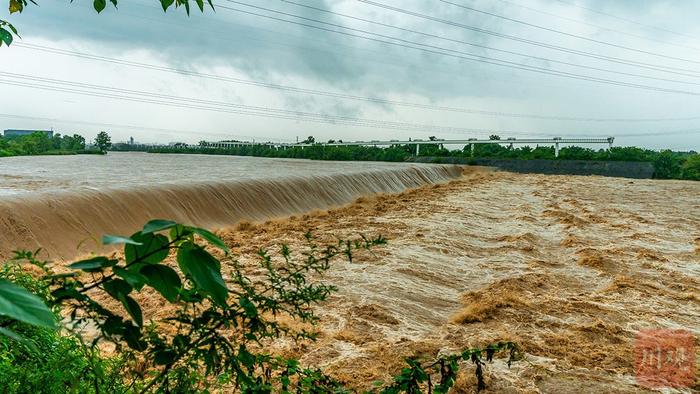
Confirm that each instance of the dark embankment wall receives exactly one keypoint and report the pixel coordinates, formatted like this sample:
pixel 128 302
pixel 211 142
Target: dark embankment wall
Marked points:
pixel 623 169
pixel 58 222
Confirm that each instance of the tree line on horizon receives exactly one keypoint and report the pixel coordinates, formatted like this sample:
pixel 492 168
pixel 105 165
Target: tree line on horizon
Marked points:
pixel 668 164
pixel 39 143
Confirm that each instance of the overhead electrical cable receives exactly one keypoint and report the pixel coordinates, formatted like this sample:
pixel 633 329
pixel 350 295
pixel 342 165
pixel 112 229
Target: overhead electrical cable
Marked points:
pixel 294 89
pixel 599 12
pixel 189 103
pixel 599 27
pixel 134 127
pixel 578 65
pixel 661 133
pixel 600 42
pixel 459 54
pixel 180 102
pixel 662 68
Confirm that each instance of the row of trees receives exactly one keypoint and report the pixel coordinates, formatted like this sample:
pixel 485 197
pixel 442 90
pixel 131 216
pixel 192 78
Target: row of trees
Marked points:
pixel 40 143
pixel 667 164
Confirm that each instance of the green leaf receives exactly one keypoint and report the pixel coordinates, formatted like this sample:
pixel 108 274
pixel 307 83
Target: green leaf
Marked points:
pixel 245 357
pixel 133 308
pixel 248 307
pixel 166 4
pixel 94 264
pixel 114 325
pixel 132 277
pixel 152 248
pixel 12 28
pixel 116 239
pixel 200 4
pixel 13 335
pixel 19 304
pixel 157 225
pixel 164 279
pixel 180 231
pixel 99 5
pixel 205 271
pixel 164 357
pixel 211 238
pixel 117 288
pixel 132 336
pixel 5 36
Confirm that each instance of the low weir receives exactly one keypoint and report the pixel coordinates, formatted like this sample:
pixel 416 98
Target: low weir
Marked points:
pixel 70 223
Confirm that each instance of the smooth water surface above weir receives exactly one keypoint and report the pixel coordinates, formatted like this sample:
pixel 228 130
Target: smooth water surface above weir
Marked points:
pixel 58 202
pixel 29 174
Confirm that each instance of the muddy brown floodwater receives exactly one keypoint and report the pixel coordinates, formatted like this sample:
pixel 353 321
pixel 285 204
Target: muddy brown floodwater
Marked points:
pixel 569 267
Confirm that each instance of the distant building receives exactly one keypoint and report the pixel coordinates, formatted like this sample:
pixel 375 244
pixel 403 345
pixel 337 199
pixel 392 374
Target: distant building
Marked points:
pixel 19 133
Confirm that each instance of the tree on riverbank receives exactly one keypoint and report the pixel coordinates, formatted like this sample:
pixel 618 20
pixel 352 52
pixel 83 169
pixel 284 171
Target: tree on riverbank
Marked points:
pixel 103 142
pixel 691 168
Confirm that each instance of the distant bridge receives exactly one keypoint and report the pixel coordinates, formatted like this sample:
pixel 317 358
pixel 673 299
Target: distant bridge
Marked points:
pixel 556 142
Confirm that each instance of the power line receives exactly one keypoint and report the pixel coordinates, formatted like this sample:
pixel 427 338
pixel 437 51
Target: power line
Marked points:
pixel 186 104
pixel 627 20
pixel 183 102
pixel 133 127
pixel 599 27
pixel 628 62
pixel 453 53
pixel 661 133
pixel 376 100
pixel 140 94
pixel 485 46
pixel 271 139
pixel 569 34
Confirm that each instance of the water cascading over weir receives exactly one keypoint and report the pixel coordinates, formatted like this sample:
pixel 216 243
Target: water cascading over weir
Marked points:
pixel 69 223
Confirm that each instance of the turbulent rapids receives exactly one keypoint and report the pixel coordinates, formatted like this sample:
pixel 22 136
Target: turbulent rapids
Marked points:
pixel 570 268
pixel 58 222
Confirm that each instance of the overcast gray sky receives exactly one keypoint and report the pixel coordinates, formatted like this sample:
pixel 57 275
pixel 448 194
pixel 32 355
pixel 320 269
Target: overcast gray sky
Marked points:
pixel 629 69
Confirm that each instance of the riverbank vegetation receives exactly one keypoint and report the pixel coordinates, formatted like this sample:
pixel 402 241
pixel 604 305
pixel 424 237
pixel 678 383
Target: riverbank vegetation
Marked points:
pixel 40 143
pixel 209 334
pixel 667 164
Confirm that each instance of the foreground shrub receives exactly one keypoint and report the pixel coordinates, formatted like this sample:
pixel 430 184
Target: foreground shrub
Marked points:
pixel 45 361
pixel 215 333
